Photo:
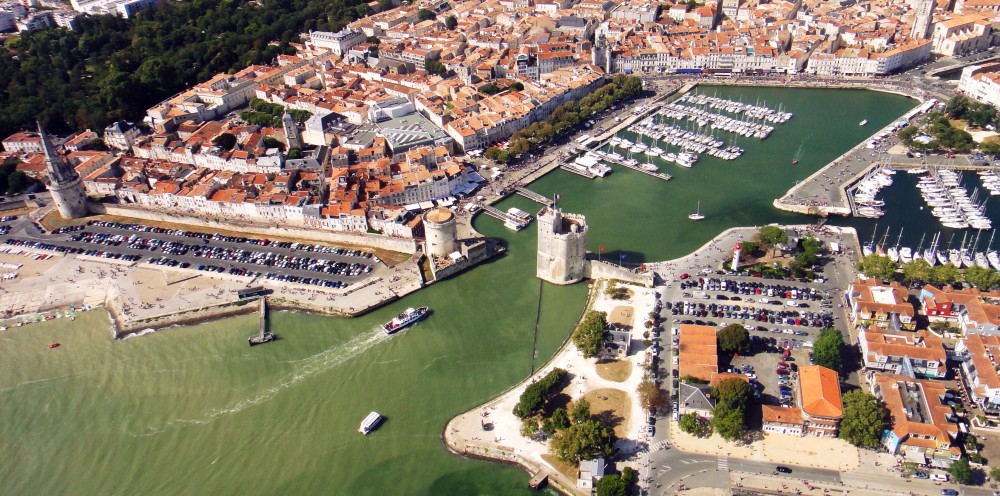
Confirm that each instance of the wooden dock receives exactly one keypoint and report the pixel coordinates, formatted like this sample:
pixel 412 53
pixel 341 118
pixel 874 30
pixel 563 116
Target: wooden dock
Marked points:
pixel 539 479
pixel 531 195
pixel 658 175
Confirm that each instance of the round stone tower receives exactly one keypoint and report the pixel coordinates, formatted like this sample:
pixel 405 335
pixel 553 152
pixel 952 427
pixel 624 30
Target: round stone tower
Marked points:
pixel 65 184
pixel 562 246
pixel 441 232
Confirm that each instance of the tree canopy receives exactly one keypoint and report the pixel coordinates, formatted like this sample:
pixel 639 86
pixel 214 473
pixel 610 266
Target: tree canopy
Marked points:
pixel 772 235
pixel 450 22
pixel 612 485
pixel 589 334
pixel 961 471
pixel 982 277
pixel 975 113
pixel 729 417
pixel 917 270
pixel 864 419
pixel 110 68
pixel 581 411
pixel 650 395
pixel 877 266
pixel 945 274
pixel 828 349
pixel 583 441
pixel 537 393
pixel 734 338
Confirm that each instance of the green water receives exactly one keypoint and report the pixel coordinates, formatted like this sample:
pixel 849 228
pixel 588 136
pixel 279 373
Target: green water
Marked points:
pixel 195 411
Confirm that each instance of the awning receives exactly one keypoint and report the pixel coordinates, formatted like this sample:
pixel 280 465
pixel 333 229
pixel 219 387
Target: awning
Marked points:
pixel 916 456
pixel 413 207
pixel 426 205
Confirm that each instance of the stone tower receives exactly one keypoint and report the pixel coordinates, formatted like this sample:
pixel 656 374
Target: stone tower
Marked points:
pixel 562 246
pixel 65 184
pixel 292 137
pixel 441 232
pixel 924 19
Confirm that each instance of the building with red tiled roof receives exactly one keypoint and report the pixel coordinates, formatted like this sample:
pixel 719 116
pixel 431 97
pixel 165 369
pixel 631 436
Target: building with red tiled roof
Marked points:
pixel 819 399
pixel 886 307
pixel 780 420
pixel 922 352
pixel 972 310
pixel 697 352
pixel 923 426
pixel 978 356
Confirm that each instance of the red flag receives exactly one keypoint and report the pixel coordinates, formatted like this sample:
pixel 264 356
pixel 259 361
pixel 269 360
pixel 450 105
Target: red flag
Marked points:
pixel 601 249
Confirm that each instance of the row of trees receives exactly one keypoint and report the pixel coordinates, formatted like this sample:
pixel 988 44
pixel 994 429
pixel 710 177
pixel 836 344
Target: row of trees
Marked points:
pixel 884 268
pixel 589 334
pixel 110 68
pixel 535 395
pixel 566 118
pixel 943 135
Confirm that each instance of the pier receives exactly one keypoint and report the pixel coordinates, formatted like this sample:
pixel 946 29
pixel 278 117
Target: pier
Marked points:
pixel 535 197
pixel 265 335
pixel 659 175
pixel 539 479
pixel 505 217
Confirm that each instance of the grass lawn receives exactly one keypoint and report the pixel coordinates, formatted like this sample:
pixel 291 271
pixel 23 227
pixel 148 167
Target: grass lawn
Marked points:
pixel 611 406
pixel 617 370
pixel 54 221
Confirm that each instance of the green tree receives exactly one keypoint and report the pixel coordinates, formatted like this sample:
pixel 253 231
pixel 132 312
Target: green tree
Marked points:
pixel 982 277
pixel 650 395
pixel 917 270
pixel 611 485
pixel 516 86
pixel 733 392
pixel 583 441
pixel 294 153
pixel 537 393
pixel 828 349
pixel 995 473
pixel 628 475
pixel 450 23
pixel 529 426
pixel 589 334
pixel 945 275
pixel 17 181
pixel 425 15
pixel 877 266
pixel 581 411
pixel 434 66
pixel 272 142
pixel 728 423
pixel 961 471
pixel 772 235
pixel 990 145
pixel 691 424
pixel 226 141
pixel 560 418
pixel 734 338
pixel 864 420
pixel 909 468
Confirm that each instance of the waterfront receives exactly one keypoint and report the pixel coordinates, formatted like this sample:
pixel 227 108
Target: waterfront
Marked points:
pixel 194 410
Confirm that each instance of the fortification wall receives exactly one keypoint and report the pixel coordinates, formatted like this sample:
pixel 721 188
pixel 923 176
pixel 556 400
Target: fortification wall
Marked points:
pixel 605 270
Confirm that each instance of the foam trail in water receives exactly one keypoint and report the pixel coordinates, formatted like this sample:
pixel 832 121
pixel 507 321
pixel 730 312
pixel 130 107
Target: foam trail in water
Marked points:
pixel 36 381
pixel 313 365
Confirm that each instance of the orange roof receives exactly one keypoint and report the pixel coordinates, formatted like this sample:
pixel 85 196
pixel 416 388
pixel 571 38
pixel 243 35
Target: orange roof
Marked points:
pixel 819 388
pixel 696 352
pixel 782 415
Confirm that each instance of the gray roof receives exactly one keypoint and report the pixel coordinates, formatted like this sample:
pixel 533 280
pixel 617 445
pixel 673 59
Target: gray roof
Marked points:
pixel 595 466
pixel 411 131
pixel 695 396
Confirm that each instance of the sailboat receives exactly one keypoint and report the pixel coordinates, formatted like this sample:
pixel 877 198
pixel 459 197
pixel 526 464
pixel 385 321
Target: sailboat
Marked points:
pixel 697 215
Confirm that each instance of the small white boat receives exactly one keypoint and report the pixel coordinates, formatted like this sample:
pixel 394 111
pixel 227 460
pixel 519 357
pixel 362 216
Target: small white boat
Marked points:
pixel 370 423
pixel 862 123
pixel 697 214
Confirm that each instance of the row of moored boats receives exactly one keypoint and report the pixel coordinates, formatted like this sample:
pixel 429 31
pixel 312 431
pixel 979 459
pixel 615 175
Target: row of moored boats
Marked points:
pixel 951 203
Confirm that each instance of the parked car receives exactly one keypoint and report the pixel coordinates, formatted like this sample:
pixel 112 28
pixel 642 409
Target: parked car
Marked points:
pixel 782 469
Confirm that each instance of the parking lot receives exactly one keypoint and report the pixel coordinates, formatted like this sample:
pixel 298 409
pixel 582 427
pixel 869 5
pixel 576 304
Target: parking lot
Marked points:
pixel 301 263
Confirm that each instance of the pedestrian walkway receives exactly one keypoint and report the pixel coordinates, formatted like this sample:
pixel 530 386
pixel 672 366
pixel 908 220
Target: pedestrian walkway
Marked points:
pixel 659 446
pixel 723 464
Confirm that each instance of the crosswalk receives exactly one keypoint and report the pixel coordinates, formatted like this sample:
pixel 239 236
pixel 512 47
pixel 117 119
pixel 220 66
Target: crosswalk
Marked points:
pixel 723 463
pixel 659 446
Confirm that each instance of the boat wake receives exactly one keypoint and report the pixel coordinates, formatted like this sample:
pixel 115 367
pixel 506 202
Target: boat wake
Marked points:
pixel 308 367
pixel 35 381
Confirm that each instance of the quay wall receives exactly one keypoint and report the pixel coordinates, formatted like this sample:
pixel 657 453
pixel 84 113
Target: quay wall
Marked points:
pixel 604 270
pixel 402 245
pixel 124 327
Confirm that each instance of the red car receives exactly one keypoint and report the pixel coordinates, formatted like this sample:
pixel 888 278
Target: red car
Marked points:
pixel 781 372
pixel 783 364
pixel 685 275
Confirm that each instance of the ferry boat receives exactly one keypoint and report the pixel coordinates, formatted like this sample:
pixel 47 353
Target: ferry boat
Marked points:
pixel 863 122
pixel 370 423
pixel 405 319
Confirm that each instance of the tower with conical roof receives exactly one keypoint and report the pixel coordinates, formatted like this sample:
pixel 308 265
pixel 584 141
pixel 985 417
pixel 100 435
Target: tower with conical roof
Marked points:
pixel 292 137
pixel 65 184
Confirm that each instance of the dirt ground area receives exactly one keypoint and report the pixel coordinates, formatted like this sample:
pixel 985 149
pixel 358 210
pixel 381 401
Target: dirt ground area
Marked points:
pixel 612 406
pixel 623 316
pixel 29 266
pixel 617 371
pixel 563 467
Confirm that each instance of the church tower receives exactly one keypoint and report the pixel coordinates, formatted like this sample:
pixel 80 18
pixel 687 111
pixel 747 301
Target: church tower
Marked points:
pixel 925 16
pixel 65 184
pixel 292 137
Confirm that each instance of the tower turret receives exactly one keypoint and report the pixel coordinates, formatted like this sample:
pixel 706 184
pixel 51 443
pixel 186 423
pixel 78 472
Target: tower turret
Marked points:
pixel 65 184
pixel 562 246
pixel 292 137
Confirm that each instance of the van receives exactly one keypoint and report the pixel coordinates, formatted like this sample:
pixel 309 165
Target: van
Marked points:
pixel 939 477
pixel 700 294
